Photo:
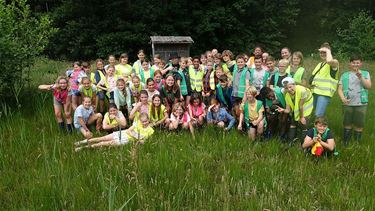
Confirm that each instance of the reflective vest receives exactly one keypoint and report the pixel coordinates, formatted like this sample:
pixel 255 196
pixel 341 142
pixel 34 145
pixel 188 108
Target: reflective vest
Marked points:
pixel 212 80
pixel 297 76
pixel 123 70
pixel 92 77
pixel 294 104
pixel 242 82
pixel 156 116
pixel 142 74
pixel 346 84
pixel 280 96
pixel 324 139
pixel 222 99
pixel 88 92
pixel 323 83
pixel 112 122
pixel 196 79
pixel 265 76
pixel 183 86
pixel 246 111
pixel 276 78
pixel 137 66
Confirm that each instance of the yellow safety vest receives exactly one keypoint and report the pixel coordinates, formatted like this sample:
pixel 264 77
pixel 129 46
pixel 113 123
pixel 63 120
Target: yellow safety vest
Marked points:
pixel 323 83
pixel 294 105
pixel 196 79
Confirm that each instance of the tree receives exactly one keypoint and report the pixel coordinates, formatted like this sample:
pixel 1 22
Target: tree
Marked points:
pixel 22 38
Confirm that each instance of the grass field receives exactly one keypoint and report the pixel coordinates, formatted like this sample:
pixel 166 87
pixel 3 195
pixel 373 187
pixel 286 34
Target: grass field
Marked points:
pixel 39 169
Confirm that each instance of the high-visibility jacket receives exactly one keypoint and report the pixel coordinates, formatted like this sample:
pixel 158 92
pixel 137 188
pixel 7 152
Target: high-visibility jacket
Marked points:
pixel 247 113
pixel 346 85
pixel 242 82
pixel 297 76
pixel 293 102
pixel 196 79
pixel 323 83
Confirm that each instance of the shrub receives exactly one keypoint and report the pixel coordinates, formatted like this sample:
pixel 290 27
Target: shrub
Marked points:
pixel 22 38
pixel 359 37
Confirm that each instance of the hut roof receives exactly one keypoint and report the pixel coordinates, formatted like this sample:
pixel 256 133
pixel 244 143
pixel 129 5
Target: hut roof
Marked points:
pixel 171 39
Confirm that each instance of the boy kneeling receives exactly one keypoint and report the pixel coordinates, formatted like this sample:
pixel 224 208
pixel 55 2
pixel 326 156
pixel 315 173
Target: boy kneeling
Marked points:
pixel 319 139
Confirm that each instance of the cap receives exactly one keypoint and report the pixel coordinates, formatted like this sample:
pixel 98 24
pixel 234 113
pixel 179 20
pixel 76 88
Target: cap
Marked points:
pixel 288 80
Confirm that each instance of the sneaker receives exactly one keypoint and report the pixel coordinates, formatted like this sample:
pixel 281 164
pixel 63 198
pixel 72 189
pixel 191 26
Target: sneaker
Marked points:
pixel 77 149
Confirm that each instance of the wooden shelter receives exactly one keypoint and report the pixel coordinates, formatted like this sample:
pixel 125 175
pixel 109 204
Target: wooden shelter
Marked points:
pixel 165 45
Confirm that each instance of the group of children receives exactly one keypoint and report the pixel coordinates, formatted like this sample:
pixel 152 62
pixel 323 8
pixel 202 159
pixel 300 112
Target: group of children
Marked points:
pixel 259 95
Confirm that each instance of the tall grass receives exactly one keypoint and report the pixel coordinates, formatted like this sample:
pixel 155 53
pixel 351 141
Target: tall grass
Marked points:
pixel 40 170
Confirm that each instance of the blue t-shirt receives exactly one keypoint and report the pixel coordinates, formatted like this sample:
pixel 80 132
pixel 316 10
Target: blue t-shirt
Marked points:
pixel 84 113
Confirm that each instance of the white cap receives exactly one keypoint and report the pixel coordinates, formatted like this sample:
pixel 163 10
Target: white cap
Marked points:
pixel 288 80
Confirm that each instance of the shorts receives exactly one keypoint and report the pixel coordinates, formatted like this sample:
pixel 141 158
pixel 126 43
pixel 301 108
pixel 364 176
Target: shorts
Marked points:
pixel 250 125
pixel 101 95
pixel 58 103
pixel 74 92
pixel 354 115
pixel 124 137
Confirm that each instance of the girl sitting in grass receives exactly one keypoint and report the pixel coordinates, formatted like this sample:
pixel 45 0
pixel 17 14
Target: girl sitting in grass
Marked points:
pixel 114 119
pixel 61 101
pixel 84 116
pixel 87 89
pixel 197 109
pixel 180 117
pixel 136 133
pixel 141 107
pixel 158 113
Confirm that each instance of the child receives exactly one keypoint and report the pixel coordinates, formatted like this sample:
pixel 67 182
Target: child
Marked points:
pixel 138 64
pixel 170 92
pixel 123 69
pixel 285 53
pixel 208 92
pixel 135 88
pixel 252 114
pixel 146 72
pixel 320 139
pixel 219 116
pixel 84 116
pixel 61 101
pixel 224 93
pixel 271 67
pixel 108 83
pixel 324 79
pixel 258 75
pixel 258 51
pixel 217 60
pixel 353 91
pixel 87 69
pixel 87 89
pixel 277 123
pixel 228 62
pixel 265 55
pixel 151 91
pixel 75 76
pixel 180 117
pixel 299 103
pixel 196 75
pixel 114 119
pixel 185 86
pixel 203 61
pixel 196 110
pixel 296 69
pixel 275 80
pixel 141 107
pixel 156 61
pixel 138 133
pixel 158 80
pixel 173 66
pixel 111 62
pixel 122 97
pixel 158 112
pixel 100 76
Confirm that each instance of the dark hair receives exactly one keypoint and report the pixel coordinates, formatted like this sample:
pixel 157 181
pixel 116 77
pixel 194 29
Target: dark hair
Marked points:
pixel 143 92
pixel 112 105
pixel 175 86
pixel 257 57
pixel 196 57
pixel 321 120
pixel 77 63
pixel 124 55
pixel 223 78
pixel 141 51
pixel 240 56
pixel 85 64
pixel 355 57
pixel 195 96
pixel 149 80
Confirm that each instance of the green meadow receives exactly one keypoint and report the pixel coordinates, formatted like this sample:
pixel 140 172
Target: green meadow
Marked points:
pixel 39 169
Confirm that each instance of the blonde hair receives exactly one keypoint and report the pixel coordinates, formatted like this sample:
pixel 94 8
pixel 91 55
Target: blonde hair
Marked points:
pixel 284 61
pixel 299 55
pixel 252 90
pixel 57 86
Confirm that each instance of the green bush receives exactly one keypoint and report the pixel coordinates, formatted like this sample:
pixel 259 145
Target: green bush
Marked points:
pixel 22 38
pixel 359 37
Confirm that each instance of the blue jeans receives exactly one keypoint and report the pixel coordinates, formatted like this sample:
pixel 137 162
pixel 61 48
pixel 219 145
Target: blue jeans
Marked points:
pixel 320 104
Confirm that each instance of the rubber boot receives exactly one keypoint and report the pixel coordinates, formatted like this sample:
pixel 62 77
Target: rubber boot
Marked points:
pixel 292 135
pixel 70 128
pixel 347 136
pixel 62 126
pixel 357 136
